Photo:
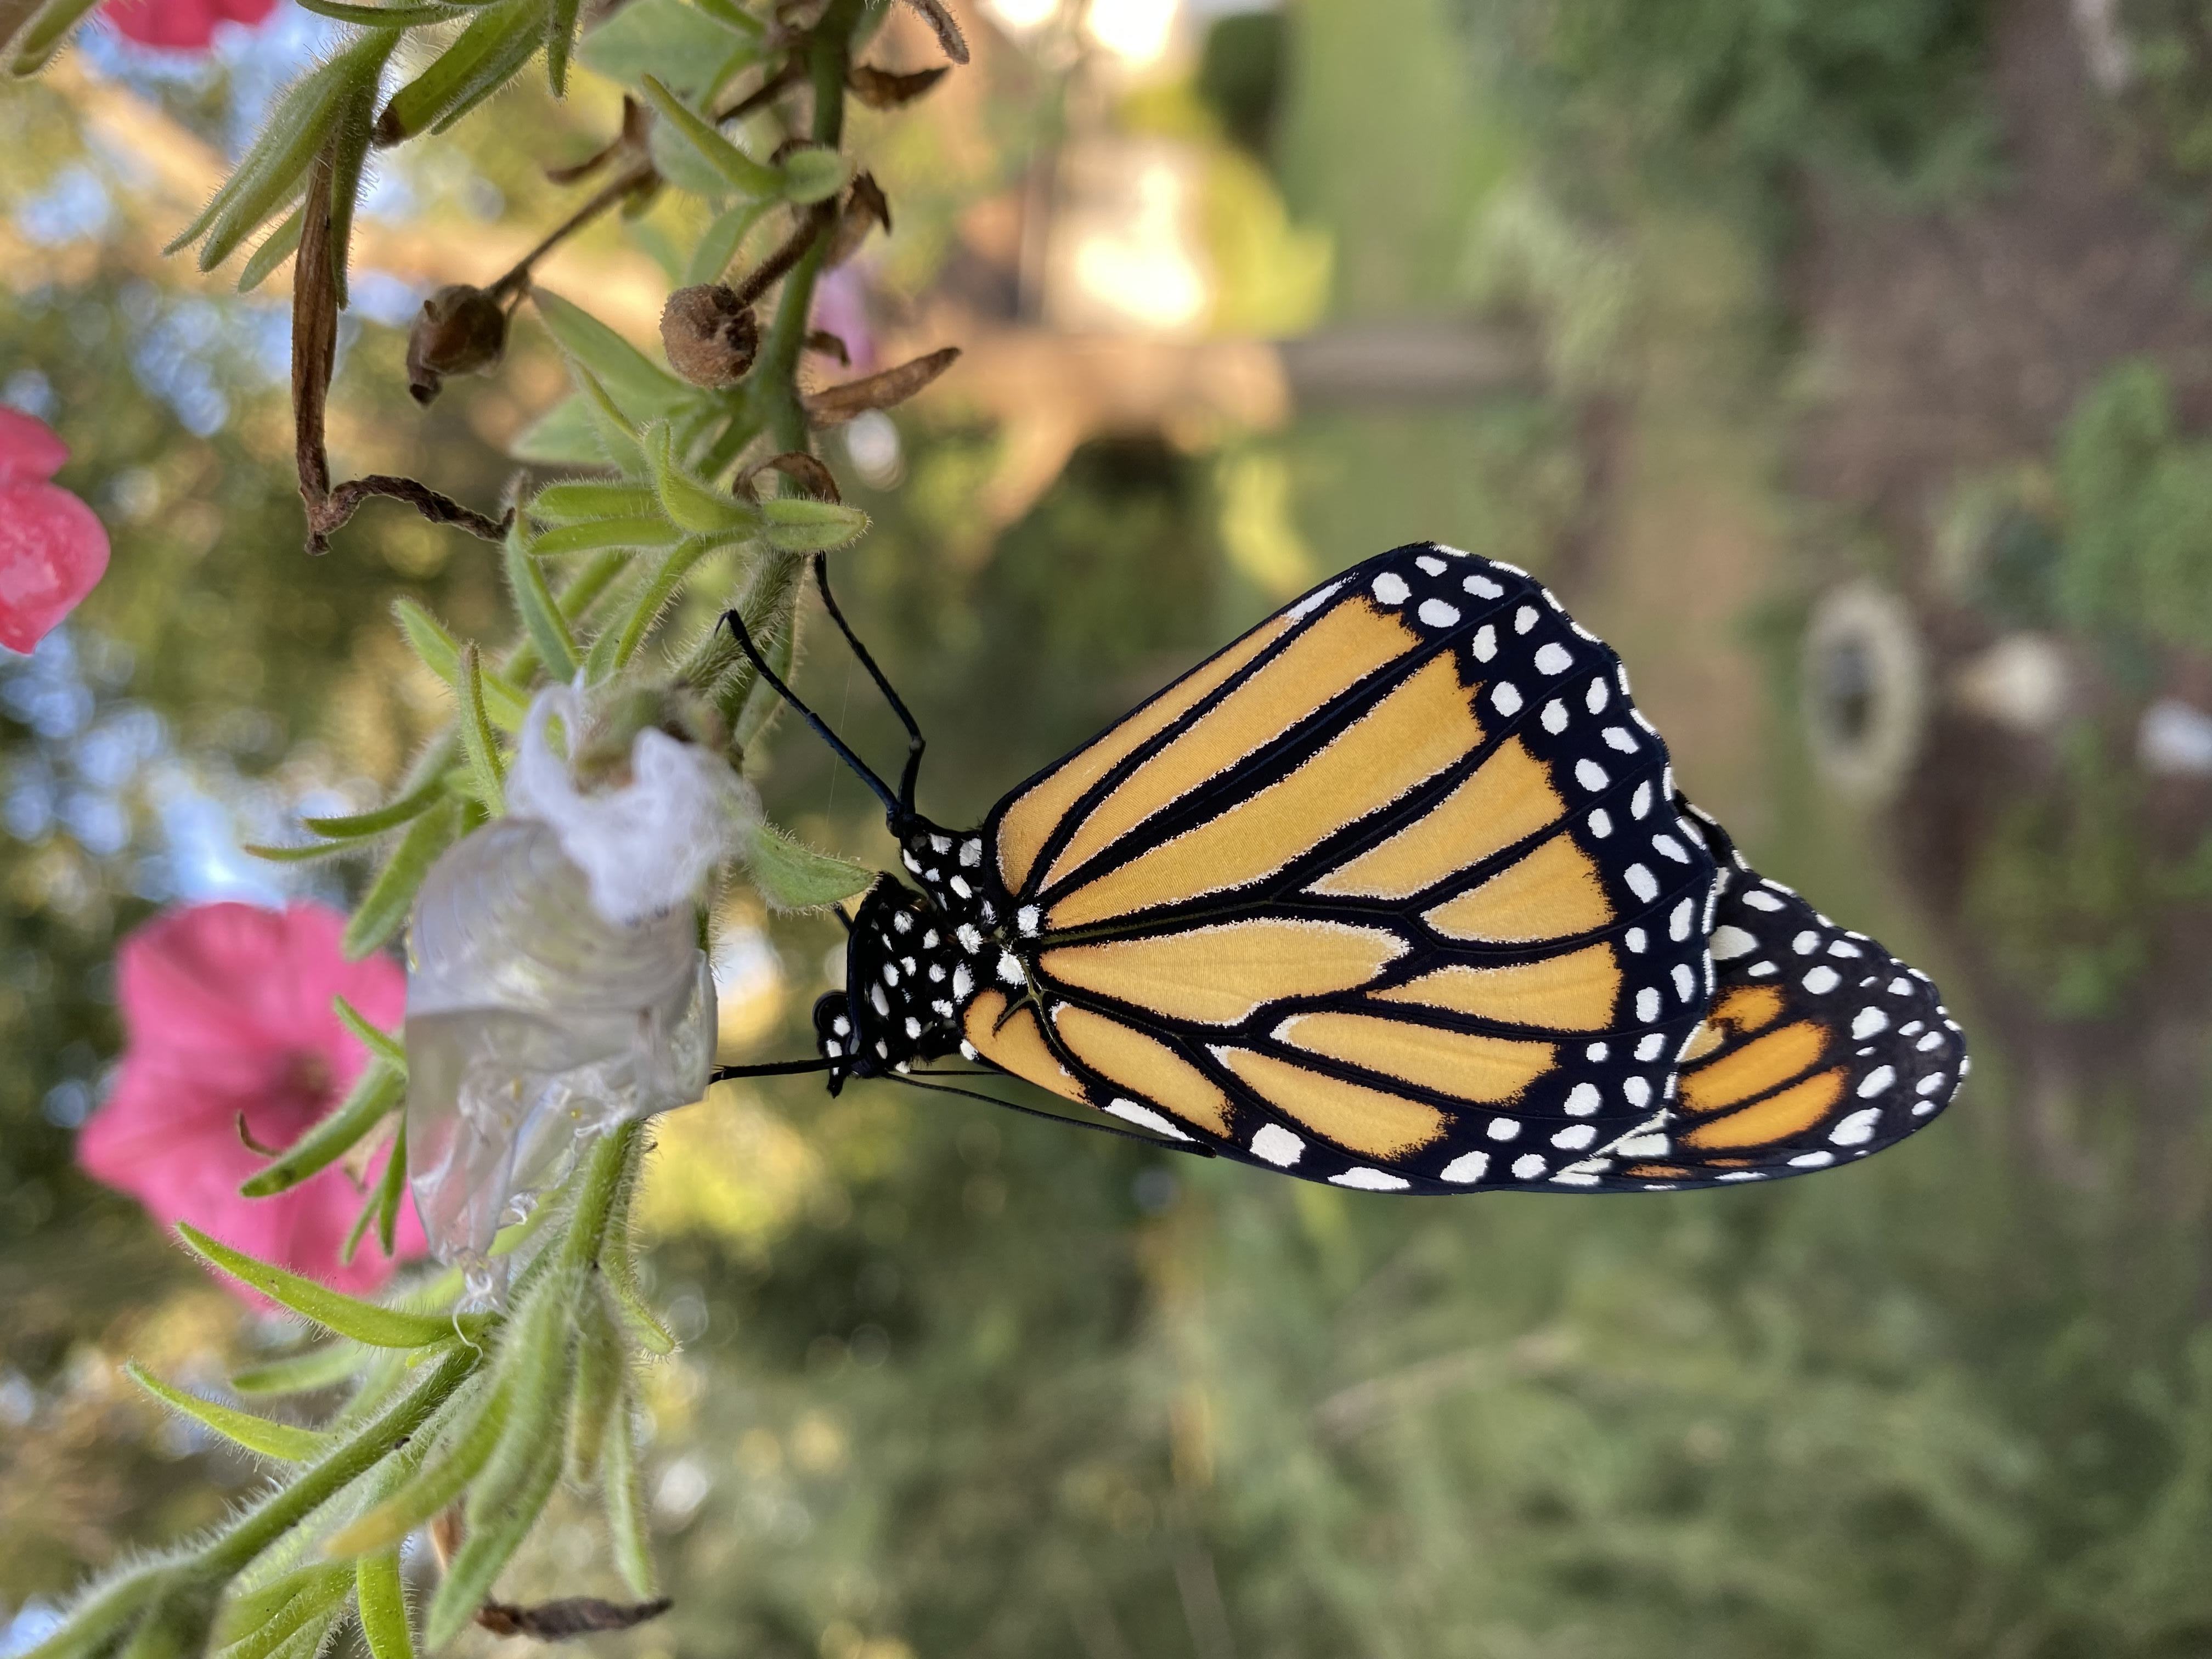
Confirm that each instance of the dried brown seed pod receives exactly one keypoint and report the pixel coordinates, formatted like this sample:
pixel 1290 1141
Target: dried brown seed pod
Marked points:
pixel 709 334
pixel 461 331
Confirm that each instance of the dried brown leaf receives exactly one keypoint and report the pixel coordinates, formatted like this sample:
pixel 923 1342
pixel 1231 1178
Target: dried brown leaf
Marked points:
pixel 804 470
pixel 888 89
pixel 563 1620
pixel 836 404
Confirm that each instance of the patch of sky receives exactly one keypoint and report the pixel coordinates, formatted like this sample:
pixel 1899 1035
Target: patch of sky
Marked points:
pixel 382 298
pixel 74 206
pixel 31 392
pixel 259 62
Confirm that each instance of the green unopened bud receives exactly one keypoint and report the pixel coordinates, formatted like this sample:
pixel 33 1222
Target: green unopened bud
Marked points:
pixel 709 334
pixel 460 330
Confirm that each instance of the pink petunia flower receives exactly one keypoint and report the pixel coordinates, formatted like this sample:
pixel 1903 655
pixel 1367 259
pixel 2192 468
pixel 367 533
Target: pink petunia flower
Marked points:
pixel 181 25
pixel 226 1009
pixel 840 308
pixel 53 549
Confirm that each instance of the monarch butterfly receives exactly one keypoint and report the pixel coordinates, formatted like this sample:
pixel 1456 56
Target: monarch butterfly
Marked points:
pixel 1395 892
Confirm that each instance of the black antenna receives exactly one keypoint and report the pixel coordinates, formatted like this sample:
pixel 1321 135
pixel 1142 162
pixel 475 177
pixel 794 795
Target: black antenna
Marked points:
pixel 914 738
pixel 1194 1148
pixel 766 1068
pixel 744 639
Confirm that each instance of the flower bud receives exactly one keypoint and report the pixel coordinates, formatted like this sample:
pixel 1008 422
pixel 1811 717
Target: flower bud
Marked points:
pixel 709 334
pixel 462 330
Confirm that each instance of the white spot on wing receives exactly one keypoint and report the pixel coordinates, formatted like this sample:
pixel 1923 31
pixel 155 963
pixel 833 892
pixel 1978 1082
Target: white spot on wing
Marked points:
pixel 1437 614
pixel 1466 1167
pixel 1822 980
pixel 1373 1181
pixel 1728 942
pixel 1145 1117
pixel 1277 1145
pixel 1505 697
pixel 1390 588
pixel 1857 1128
pixel 1553 658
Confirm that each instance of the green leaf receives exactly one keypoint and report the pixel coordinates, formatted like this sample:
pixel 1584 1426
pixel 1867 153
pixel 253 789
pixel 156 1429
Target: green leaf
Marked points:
pixel 478 741
pixel 799 525
pixel 689 504
pixel 483 57
pixel 319 1368
pixel 505 704
pixel 275 170
pixel 622 1493
pixel 490 1546
pixel 722 158
pixel 618 1273
pixel 379 1042
pixel 814 173
pixel 276 247
pixel 349 156
pixel 363 825
pixel 763 702
pixel 618 435
pixel 348 1316
pixel 792 875
pixel 560 37
pixel 735 18
pixel 443 1478
pixel 306 1603
pixel 96 1623
pixel 282 1440
pixel 392 1189
pixel 692 49
pixel 386 17
pixel 381 1599
pixel 42 37
pixel 306 854
pixel 718 243
pixel 612 651
pixel 582 498
pixel 640 534
pixel 533 602
pixel 377 1093
pixel 601 1367
pixel 638 385
pixel 383 909
pixel 540 1368
pixel 564 436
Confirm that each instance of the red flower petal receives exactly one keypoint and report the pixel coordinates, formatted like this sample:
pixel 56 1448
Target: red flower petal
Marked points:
pixel 29 452
pixel 226 1009
pixel 181 25
pixel 52 552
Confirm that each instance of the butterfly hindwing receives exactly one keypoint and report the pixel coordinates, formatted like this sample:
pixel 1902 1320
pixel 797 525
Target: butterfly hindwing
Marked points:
pixel 1392 892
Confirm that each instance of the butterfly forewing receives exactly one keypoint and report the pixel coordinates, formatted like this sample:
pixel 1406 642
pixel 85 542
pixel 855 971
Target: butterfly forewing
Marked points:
pixel 1393 892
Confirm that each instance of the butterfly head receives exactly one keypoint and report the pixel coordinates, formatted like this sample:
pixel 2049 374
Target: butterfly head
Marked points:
pixel 910 968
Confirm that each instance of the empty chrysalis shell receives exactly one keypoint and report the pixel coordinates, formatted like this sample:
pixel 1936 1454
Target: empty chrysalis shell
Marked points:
pixel 535 1020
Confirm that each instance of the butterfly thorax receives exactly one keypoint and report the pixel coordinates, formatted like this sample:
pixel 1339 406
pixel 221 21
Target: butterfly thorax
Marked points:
pixel 915 959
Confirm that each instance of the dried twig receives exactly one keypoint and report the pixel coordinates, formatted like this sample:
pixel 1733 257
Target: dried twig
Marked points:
pixel 948 31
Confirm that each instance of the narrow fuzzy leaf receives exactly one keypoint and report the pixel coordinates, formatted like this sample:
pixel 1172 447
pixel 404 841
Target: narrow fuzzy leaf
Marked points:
pixel 362 826
pixel 592 536
pixel 308 854
pixel 478 741
pixel 374 1096
pixel 731 165
pixel 282 1440
pixel 384 17
pixel 641 388
pixel 443 1478
pixel 763 702
pixel 42 37
pixel 581 499
pixel 381 1600
pixel 600 1365
pixel 796 524
pixel 718 243
pixel 483 57
pixel 97 1622
pixel 276 247
pixel 792 875
pixel 348 1316
pixel 812 174
pixel 650 599
pixel 505 704
pixel 383 909
pixel 533 602
pixel 689 504
pixel 490 1546
pixel 618 1273
pixel 379 1042
pixel 275 170
pixel 349 156
pixel 392 1189
pixel 320 1368
pixel 622 1494
pixel 734 16
pixel 539 1370
pixel 560 37
pixel 313 1599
